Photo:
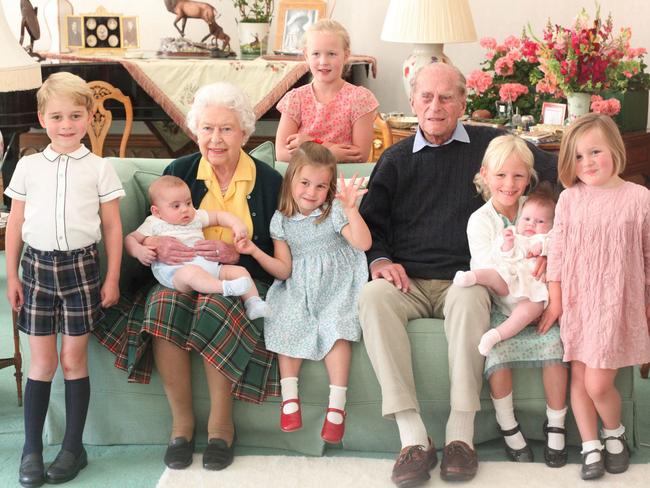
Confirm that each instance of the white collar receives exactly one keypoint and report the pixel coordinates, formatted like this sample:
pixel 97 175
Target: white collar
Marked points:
pixel 51 155
pixel 299 216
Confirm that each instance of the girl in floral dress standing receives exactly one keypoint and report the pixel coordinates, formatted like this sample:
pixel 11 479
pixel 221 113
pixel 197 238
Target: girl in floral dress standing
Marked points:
pixel 329 110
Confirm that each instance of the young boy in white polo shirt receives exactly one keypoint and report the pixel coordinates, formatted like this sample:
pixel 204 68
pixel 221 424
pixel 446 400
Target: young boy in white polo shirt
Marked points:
pixel 63 200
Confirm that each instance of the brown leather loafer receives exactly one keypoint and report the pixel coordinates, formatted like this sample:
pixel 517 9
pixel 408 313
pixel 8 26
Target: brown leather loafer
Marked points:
pixel 459 462
pixel 413 465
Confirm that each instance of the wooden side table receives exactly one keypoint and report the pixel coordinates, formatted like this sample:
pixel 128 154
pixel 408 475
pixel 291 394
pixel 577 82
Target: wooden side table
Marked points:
pixel 17 360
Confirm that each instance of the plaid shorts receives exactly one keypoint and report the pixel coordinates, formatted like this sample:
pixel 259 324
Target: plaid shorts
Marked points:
pixel 61 290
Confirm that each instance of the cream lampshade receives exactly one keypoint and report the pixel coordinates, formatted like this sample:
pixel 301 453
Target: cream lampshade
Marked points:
pixel 18 71
pixel 427 24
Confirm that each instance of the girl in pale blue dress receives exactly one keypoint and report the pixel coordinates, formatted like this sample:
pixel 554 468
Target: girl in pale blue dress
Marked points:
pixel 319 264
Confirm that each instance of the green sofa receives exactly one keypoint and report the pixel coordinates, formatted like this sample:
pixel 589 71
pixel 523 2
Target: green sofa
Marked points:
pixel 126 413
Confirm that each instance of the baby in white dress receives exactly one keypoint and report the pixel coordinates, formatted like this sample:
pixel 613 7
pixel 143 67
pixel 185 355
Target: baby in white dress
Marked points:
pixel 522 297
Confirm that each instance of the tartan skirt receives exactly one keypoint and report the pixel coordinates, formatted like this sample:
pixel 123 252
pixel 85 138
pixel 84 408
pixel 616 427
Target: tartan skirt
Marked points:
pixel 213 325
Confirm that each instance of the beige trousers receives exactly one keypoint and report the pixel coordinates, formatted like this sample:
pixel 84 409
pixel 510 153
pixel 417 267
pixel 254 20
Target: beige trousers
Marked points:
pixel 384 312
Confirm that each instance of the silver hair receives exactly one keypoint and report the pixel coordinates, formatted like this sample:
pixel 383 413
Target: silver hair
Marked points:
pixel 462 83
pixel 225 95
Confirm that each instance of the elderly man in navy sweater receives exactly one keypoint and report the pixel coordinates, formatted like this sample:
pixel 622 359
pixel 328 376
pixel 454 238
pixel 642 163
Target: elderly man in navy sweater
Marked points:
pixel 420 197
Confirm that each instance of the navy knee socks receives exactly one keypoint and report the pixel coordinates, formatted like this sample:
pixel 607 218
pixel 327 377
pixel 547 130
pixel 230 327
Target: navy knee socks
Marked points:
pixel 36 401
pixel 77 397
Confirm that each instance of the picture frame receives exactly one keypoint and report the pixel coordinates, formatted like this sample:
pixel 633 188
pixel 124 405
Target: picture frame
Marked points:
pixel 292 22
pixel 553 113
pixel 73 31
pixel 101 32
pixel 130 32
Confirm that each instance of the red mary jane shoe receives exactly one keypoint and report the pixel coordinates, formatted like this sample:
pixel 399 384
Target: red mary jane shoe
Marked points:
pixel 333 433
pixel 290 421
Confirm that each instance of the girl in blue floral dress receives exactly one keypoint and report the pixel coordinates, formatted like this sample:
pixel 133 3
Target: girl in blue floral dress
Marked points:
pixel 319 264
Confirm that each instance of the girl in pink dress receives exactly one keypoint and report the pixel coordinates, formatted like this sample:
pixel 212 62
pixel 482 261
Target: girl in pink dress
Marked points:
pixel 599 282
pixel 329 110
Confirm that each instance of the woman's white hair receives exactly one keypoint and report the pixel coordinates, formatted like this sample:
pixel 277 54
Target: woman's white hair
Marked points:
pixel 225 95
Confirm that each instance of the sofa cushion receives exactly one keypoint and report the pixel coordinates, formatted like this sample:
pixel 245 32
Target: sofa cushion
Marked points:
pixel 265 152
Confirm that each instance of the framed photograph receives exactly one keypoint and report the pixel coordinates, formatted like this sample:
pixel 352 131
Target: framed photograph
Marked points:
pixel 553 113
pixel 101 31
pixel 294 18
pixel 130 32
pixel 73 31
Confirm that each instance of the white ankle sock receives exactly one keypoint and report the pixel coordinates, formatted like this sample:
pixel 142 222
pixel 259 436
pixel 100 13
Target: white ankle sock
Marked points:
pixel 412 431
pixel 256 308
pixel 488 341
pixel 465 278
pixel 614 446
pixel 556 419
pixel 289 387
pixel 236 287
pixel 505 413
pixel 337 400
pixel 590 446
pixel 460 427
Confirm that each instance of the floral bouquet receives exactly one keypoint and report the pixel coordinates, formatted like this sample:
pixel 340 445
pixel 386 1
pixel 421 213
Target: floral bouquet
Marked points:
pixel 589 57
pixel 509 74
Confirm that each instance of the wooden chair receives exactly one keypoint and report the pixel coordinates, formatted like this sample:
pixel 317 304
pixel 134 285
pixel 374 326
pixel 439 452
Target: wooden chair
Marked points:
pixel 380 145
pixel 16 360
pixel 102 118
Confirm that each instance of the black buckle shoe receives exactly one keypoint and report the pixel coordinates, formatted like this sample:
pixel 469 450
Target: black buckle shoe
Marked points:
pixel 593 470
pixel 523 455
pixel 555 458
pixel 179 453
pixel 66 466
pixel 32 471
pixel 218 455
pixel 617 463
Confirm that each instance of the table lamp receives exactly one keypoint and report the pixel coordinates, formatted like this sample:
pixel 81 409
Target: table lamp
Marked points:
pixel 427 24
pixel 20 76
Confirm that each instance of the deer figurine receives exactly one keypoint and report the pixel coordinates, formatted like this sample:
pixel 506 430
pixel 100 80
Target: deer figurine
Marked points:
pixel 29 23
pixel 189 9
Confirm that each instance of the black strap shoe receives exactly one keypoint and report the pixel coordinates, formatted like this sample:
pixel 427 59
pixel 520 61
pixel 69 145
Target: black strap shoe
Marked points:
pixel 218 455
pixel 523 455
pixel 593 470
pixel 555 458
pixel 66 466
pixel 32 471
pixel 179 453
pixel 619 462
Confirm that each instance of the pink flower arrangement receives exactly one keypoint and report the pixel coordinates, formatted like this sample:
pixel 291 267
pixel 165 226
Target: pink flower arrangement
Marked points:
pixel 609 107
pixel 588 56
pixel 508 74
pixel 510 92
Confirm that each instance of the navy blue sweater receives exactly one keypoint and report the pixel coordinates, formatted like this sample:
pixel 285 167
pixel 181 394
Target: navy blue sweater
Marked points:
pixel 418 205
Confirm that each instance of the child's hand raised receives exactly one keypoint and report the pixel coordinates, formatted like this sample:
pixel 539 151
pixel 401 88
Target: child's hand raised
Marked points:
pixel 348 193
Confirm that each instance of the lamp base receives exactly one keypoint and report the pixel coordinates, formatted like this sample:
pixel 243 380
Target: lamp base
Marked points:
pixel 422 54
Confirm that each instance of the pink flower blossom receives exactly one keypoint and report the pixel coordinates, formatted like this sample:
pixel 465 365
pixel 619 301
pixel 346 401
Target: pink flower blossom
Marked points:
pixel 512 42
pixel 488 43
pixel 479 81
pixel 514 55
pixel 609 107
pixel 504 66
pixel 510 92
